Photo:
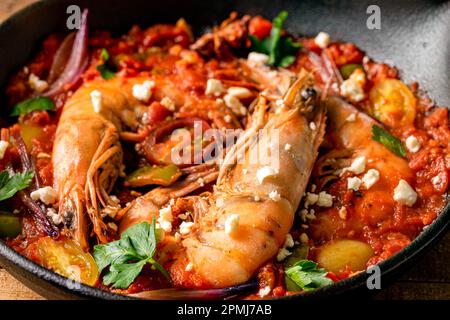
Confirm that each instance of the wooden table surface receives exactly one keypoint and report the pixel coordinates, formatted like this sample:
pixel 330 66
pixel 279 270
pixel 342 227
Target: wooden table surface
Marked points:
pixel 429 278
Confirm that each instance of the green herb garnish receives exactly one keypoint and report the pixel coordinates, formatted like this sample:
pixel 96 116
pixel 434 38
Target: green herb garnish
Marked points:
pixel 104 55
pixel 347 69
pixel 105 70
pixel 304 275
pixel 281 50
pixel 127 256
pixel 29 105
pixel 10 185
pixel 389 141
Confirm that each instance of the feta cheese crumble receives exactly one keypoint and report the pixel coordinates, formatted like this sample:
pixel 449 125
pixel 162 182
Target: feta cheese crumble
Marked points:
pixel 353 183
pixel 54 216
pixel 311 198
pixel 232 223
pixel 289 242
pixel 325 200
pixel 185 227
pixel 143 92
pixel 214 87
pixel 265 172
pixel 352 90
pixel 282 254
pixel 47 195
pixel 412 144
pixel 96 99
pixel 370 178
pixel 405 194
pixel 3 146
pixel 275 196
pixel 358 165
pixel 322 39
pixel 165 219
pixel 264 292
pixel 257 59
pixel 168 103
pixel 37 84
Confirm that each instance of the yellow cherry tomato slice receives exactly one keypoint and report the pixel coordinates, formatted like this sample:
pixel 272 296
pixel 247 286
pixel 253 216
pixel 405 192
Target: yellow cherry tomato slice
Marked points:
pixel 66 257
pixel 393 103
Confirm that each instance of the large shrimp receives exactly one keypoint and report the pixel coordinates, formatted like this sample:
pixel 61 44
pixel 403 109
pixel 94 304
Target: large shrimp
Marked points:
pixel 349 136
pixel 265 207
pixel 87 156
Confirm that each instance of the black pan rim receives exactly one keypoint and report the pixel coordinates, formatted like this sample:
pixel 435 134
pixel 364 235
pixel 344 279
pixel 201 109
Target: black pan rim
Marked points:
pixel 431 234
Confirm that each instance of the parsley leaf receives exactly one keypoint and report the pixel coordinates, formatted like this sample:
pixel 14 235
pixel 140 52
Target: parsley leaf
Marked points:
pixel 105 71
pixel 304 275
pixel 389 141
pixel 281 50
pixel 9 186
pixel 29 105
pixel 127 256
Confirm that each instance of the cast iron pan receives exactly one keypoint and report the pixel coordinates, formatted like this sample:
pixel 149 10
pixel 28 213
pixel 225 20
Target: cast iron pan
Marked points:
pixel 414 36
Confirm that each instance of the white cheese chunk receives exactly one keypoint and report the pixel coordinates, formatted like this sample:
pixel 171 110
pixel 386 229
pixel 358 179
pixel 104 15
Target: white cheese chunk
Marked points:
pixel 325 200
pixel 165 218
pixel 47 195
pixel 405 194
pixel 214 87
pixel 282 254
pixel 352 90
pixel 358 165
pixel 185 227
pixel 168 103
pixel 289 242
pixel 322 39
pixel 353 183
pixel 264 292
pixel 311 198
pixel 412 144
pixel 274 195
pixel 257 59
pixel 54 216
pixel 370 178
pixel 143 92
pixel 37 84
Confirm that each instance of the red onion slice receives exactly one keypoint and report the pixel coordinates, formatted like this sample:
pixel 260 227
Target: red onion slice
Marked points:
pixel 76 62
pixel 61 57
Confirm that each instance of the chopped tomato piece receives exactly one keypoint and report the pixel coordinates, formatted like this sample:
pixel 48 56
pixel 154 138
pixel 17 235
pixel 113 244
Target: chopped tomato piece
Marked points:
pixel 260 27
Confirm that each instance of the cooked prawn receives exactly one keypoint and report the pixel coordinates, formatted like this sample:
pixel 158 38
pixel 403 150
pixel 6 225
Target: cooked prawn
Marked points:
pixel 218 258
pixel 87 156
pixel 348 140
